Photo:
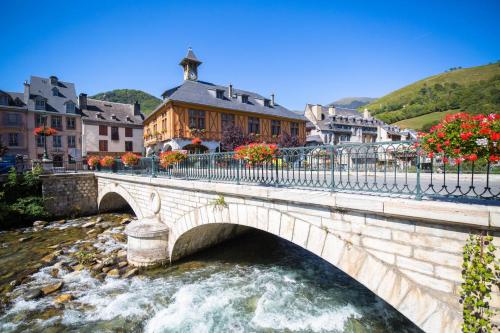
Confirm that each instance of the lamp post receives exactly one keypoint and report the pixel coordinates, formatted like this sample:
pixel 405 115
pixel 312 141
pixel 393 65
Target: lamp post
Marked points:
pixel 45 157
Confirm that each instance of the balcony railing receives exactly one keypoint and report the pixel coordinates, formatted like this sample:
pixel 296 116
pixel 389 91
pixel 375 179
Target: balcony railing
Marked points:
pixel 389 169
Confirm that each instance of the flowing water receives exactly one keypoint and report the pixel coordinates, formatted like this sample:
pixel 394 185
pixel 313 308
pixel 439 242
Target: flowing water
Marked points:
pixel 256 283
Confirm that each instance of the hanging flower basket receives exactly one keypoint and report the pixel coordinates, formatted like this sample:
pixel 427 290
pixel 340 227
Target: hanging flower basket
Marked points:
pixel 170 158
pixel 130 159
pixel 464 137
pixel 196 141
pixel 107 161
pixel 92 162
pixel 48 131
pixel 256 153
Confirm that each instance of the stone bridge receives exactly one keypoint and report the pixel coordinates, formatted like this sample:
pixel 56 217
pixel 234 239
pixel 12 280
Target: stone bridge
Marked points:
pixel 407 252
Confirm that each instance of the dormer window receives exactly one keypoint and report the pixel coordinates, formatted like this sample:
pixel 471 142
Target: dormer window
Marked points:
pixel 55 92
pixel 244 99
pixel 39 103
pixel 267 102
pixel 4 100
pixel 70 107
pixel 219 94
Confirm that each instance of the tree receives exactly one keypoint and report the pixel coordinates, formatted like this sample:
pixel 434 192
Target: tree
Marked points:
pixel 286 140
pixel 232 137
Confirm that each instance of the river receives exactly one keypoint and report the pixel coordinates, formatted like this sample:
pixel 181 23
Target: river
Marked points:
pixel 256 283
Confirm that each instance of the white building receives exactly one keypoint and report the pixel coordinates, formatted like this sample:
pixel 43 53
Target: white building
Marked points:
pixel 110 128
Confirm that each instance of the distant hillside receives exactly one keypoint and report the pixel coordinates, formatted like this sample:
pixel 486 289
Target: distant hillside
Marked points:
pixel 423 103
pixel 148 102
pixel 352 102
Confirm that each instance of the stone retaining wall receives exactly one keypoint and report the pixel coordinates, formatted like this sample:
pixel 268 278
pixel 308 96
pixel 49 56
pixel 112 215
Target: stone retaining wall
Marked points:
pixel 70 194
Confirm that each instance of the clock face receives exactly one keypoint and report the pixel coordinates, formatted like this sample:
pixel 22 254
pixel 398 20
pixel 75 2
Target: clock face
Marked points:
pixel 192 75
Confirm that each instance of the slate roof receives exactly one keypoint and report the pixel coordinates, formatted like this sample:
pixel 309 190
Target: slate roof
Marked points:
pixel 40 86
pixel 15 99
pixel 204 93
pixel 190 56
pixel 344 116
pixel 105 111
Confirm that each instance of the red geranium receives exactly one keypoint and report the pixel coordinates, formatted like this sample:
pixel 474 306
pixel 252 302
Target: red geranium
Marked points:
pixel 169 158
pixel 107 161
pixel 130 158
pixel 48 131
pixel 464 137
pixel 256 153
pixel 92 161
pixel 196 141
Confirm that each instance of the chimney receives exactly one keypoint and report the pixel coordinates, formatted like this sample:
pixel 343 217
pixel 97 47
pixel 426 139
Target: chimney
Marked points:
pixel 331 110
pixel 53 80
pixel 230 91
pixel 26 92
pixel 82 101
pixel 317 111
pixel 366 114
pixel 272 99
pixel 137 108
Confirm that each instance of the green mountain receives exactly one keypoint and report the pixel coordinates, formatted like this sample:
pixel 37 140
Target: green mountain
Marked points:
pixel 352 102
pixel 148 102
pixel 424 103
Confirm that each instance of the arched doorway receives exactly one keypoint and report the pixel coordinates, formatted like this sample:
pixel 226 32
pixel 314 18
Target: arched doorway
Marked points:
pixel 196 149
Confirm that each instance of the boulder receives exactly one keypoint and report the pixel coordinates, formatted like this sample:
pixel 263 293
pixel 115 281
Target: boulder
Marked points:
pixel 52 288
pixel 130 273
pixel 121 253
pixel 63 298
pixel 114 273
pixel 98 219
pixel 33 294
pixel 122 264
pixel 97 267
pixel 106 269
pixel 40 224
pixel 54 272
pixel 89 224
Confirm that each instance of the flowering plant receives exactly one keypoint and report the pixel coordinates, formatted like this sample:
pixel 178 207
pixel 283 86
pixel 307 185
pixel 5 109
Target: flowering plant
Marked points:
pixel 256 153
pixel 130 158
pixel 92 161
pixel 48 131
pixel 464 137
pixel 196 141
pixel 107 161
pixel 169 158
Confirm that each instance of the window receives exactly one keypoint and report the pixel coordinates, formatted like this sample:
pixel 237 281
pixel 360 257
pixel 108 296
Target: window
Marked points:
pixel 197 119
pixel 103 130
pixel 56 141
pixel 227 120
pixel 275 127
pixel 244 99
pixel 70 123
pixel 103 145
pixel 219 94
pixel 163 124
pixel 129 146
pixel 253 125
pixel 70 107
pixel 39 120
pixel 267 102
pixel 57 160
pixel 71 141
pixel 114 133
pixel 56 122
pixel 40 141
pixel 294 129
pixel 13 139
pixel 129 132
pixel 13 119
pixel 55 92
pixel 4 100
pixel 39 104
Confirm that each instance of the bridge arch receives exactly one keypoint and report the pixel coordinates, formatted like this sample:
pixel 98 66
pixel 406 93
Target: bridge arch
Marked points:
pixel 208 225
pixel 109 197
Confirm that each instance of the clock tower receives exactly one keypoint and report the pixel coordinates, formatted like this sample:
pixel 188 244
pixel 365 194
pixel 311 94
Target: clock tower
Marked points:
pixel 190 66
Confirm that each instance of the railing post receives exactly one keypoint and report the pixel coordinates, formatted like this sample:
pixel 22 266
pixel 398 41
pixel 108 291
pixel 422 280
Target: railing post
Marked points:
pixel 210 155
pixel 238 172
pixel 332 168
pixel 418 187
pixel 153 167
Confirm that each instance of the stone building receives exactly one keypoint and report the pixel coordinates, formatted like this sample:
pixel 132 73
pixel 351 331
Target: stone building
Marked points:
pixel 53 101
pixel 13 124
pixel 110 128
pixel 198 109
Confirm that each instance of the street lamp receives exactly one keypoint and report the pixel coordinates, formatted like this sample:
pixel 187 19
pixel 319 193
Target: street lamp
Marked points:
pixel 45 157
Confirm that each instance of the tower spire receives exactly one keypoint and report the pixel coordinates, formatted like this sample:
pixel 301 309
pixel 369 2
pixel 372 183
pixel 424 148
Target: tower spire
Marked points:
pixel 190 65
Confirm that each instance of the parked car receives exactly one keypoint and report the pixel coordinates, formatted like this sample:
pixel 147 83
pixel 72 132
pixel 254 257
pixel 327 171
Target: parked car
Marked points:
pixel 7 162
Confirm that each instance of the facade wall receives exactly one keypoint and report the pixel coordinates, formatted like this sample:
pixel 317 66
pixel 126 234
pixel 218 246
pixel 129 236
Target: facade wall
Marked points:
pixel 18 127
pixel 35 151
pixel 172 121
pixel 407 252
pixel 91 139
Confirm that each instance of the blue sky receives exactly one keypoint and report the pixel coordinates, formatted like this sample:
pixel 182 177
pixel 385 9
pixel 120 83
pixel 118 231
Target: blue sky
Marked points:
pixel 303 51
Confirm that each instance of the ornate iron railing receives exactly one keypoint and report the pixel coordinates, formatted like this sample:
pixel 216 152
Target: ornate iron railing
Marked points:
pixel 389 168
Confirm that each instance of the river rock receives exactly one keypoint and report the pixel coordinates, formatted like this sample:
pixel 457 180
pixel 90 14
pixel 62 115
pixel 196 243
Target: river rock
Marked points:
pixel 108 261
pixel 97 267
pixel 122 264
pixel 101 276
pixel 119 237
pixel 78 267
pixel 40 223
pixel 54 272
pixel 24 239
pixel 121 253
pixel 61 222
pixel 52 288
pixel 114 273
pixel 91 231
pixel 98 219
pixel 89 224
pixel 63 298
pixel 49 258
pixel 33 294
pixel 124 221
pixel 106 269
pixel 130 273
